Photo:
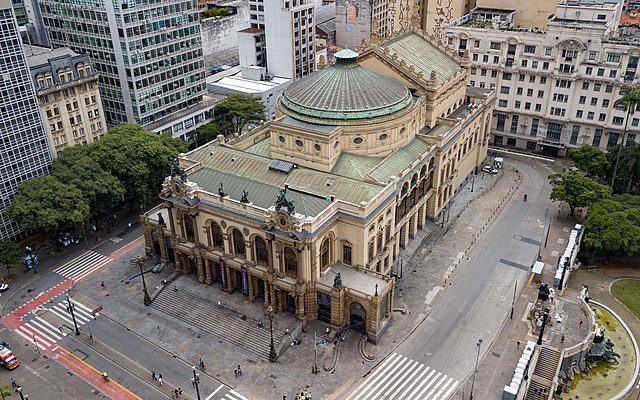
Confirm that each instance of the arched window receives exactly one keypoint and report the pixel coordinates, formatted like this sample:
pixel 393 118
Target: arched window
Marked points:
pixel 217 240
pixel 189 228
pixel 239 248
pixel 414 180
pixel 325 258
pixel 290 261
pixel 423 172
pixel 261 251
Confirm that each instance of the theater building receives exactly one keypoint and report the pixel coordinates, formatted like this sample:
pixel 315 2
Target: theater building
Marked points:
pixel 308 211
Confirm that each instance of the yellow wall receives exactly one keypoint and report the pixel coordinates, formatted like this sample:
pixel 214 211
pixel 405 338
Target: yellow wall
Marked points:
pixel 528 14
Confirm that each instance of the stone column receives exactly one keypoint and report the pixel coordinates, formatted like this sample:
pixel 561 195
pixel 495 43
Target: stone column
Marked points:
pixel 227 273
pixel 164 254
pixel 272 295
pixel 270 258
pixel 226 239
pixel 423 220
pixel 267 293
pixel 148 239
pixel 171 222
pixel 300 314
pixel 250 280
pixel 207 271
pixel 414 228
pixel 373 319
pixel 300 266
pixel 199 270
pixel 281 300
pixel 178 258
pixel 405 239
pixel 338 307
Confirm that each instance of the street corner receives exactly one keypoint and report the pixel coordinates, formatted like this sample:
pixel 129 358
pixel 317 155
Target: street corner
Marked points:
pixel 91 375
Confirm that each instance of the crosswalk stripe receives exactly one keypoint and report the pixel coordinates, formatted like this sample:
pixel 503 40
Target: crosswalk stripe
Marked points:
pixel 82 306
pixel 422 382
pixel 91 270
pixel 214 392
pixel 63 309
pixel 233 395
pixel 38 326
pixel 47 323
pixel 388 378
pixel 61 314
pixel 33 335
pixel 379 373
pixel 29 339
pixel 39 333
pixel 450 391
pixel 79 315
pixel 442 388
pixel 385 362
pixel 79 263
pixel 432 389
pixel 413 370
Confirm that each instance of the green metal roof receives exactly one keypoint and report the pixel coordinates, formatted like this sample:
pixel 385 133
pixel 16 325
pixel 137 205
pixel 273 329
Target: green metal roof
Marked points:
pixel 253 167
pixel 355 166
pixel 260 194
pixel 262 148
pixel 437 130
pixel 343 92
pixel 295 123
pixel 424 56
pixel 400 160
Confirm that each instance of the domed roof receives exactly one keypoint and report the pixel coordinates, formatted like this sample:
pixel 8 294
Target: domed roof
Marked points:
pixel 344 92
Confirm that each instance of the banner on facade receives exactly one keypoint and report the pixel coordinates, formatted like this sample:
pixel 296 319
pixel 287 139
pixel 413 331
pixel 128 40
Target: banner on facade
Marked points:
pixel 223 274
pixel 245 281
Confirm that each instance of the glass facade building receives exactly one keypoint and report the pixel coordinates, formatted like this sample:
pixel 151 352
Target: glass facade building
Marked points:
pixel 148 53
pixel 24 149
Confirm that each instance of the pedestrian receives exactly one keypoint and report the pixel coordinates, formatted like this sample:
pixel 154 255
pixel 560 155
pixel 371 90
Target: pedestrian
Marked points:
pixel 202 365
pixel 235 371
pixel 160 381
pixel 562 338
pixel 219 303
pixel 175 393
pixel 153 376
pixel 239 370
pixel 103 286
pixel 60 329
pixel 13 382
pixel 179 392
pixel 518 343
pixel 581 322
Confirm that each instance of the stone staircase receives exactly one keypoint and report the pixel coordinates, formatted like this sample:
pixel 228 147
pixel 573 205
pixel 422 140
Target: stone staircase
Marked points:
pixel 220 322
pixel 543 380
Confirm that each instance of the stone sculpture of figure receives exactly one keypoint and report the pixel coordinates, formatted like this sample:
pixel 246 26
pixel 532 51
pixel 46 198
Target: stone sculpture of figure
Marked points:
pixel 245 197
pixel 337 281
pixel 160 219
pixel 543 292
pixel 283 202
pixel 178 171
pixel 221 192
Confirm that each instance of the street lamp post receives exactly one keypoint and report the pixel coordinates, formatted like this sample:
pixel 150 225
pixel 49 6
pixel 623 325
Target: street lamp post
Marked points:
pixel 71 308
pixel 272 348
pixel 513 302
pixel 473 381
pixel 196 381
pixel 147 298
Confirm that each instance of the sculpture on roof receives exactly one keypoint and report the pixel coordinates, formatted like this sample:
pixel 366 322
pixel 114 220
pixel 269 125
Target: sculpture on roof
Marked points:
pixel 543 292
pixel 245 197
pixel 221 192
pixel 337 280
pixel 177 170
pixel 160 219
pixel 283 202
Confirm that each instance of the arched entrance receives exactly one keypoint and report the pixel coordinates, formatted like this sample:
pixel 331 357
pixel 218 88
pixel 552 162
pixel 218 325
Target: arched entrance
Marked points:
pixel 324 307
pixel 358 317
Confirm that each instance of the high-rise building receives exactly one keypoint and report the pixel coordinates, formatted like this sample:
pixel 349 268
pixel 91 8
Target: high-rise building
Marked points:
pixel 20 9
pixel 281 37
pixel 556 87
pixel 436 14
pixel 24 151
pixel 148 54
pixel 67 88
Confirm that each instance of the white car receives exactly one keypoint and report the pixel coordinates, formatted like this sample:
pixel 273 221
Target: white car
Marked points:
pixel 489 170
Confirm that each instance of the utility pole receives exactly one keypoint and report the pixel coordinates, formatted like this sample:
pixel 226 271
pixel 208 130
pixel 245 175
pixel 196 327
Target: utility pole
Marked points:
pixel 71 308
pixel 147 298
pixel 196 381
pixel 473 381
pixel 513 303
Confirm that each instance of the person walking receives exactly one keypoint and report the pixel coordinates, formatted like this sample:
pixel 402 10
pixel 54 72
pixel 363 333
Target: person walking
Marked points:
pixel 235 371
pixel 160 381
pixel 153 376
pixel 13 382
pixel 518 344
pixel 202 367
pixel 239 370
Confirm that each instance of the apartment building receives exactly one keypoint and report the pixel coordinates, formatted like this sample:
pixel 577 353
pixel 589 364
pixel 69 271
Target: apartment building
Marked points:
pixel 281 37
pixel 436 14
pixel 148 55
pixel 67 87
pixel 556 88
pixel 24 151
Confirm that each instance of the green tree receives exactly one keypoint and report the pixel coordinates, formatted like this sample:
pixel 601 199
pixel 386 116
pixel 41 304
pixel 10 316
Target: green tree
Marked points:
pixel 206 133
pixel 46 203
pixel 101 190
pixel 591 159
pixel 577 190
pixel 612 229
pixel 9 252
pixel 139 159
pixel 4 392
pixel 234 113
pixel 630 100
pixel 178 145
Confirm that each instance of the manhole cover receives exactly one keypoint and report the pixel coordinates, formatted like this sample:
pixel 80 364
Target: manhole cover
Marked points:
pixel 498 355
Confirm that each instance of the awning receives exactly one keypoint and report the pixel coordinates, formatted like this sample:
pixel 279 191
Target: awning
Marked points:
pixel 537 267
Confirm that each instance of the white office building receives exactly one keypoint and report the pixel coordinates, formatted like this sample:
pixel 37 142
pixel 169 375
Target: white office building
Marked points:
pixel 281 37
pixel 24 148
pixel 556 87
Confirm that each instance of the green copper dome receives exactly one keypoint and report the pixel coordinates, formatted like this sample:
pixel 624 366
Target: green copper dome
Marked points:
pixel 345 93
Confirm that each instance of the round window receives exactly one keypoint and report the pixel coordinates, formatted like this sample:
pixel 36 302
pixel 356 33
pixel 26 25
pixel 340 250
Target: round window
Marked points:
pixel 317 147
pixel 281 139
pixel 402 131
pixel 299 143
pixel 358 140
pixel 383 137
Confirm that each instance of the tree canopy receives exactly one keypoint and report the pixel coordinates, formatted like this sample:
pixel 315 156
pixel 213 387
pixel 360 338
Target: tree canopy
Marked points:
pixel 613 228
pixel 237 111
pixel 591 160
pixel 205 133
pixel 577 190
pixel 46 203
pixel 628 174
pixel 9 252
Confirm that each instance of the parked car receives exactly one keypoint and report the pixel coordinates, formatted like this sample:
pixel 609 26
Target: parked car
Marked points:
pixel 489 170
pixel 3 287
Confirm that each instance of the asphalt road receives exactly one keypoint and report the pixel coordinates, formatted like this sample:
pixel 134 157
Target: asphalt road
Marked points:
pixel 479 299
